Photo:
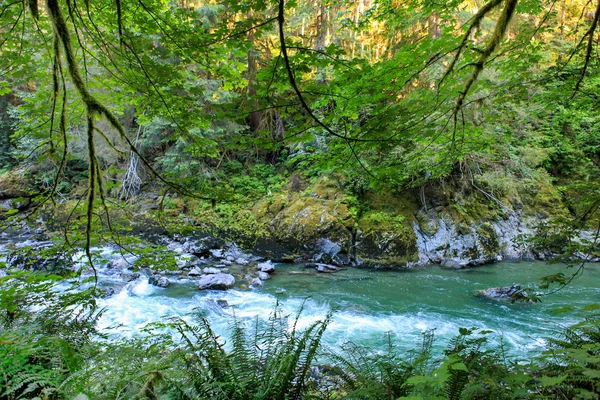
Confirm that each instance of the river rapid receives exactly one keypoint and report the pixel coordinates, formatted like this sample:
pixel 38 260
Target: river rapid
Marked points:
pixel 365 304
pixel 368 304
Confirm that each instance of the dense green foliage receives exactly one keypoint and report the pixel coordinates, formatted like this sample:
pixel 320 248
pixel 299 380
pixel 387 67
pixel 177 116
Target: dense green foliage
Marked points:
pixel 233 111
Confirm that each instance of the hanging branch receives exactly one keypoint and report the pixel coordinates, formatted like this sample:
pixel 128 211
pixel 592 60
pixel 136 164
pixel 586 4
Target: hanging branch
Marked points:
pixel 292 79
pixel 478 66
pixel 589 47
pixel 475 23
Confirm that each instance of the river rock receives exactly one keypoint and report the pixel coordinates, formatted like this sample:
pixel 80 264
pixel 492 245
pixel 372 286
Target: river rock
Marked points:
pixel 320 267
pixel 118 263
pixel 130 276
pixel 453 244
pixel 256 282
pixel 201 246
pixel 263 276
pixel 216 282
pixel 504 293
pixel 159 281
pixel 195 272
pixel 266 266
pixel 222 303
pixel 211 270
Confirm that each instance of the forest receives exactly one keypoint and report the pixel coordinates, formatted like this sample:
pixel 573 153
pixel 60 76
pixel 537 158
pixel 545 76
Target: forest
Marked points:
pixel 271 199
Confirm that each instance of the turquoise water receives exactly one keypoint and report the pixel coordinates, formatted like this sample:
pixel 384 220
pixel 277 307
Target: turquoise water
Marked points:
pixel 368 304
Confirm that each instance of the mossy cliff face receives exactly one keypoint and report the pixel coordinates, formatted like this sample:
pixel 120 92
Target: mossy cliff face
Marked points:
pixel 319 212
pixel 384 235
pixel 470 228
pixel 318 221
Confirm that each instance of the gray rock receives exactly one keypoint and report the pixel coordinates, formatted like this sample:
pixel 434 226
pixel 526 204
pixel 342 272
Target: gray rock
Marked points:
pixel 242 261
pixel 118 263
pixel 263 276
pixel 216 253
pixel 130 276
pixel 201 246
pixel 441 240
pixel 222 303
pixel 504 293
pixel 210 270
pixel 266 266
pixel 320 267
pixel 160 281
pixel 328 247
pixel 216 282
pixel 256 282
pixel 187 261
pixel 195 272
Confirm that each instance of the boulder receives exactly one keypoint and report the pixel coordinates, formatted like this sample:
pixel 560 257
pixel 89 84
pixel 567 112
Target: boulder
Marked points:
pixel 222 303
pixel 266 266
pixel 263 275
pixel 118 263
pixel 216 282
pixel 211 270
pixel 256 282
pixel 201 246
pixel 504 293
pixel 130 276
pixel 187 261
pixel 159 281
pixel 195 272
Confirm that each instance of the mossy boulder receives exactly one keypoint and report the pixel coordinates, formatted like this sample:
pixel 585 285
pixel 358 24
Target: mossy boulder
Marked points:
pixel 306 219
pixel 385 240
pixel 14 184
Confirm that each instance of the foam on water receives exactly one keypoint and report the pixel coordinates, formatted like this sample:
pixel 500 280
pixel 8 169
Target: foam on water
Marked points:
pixel 365 305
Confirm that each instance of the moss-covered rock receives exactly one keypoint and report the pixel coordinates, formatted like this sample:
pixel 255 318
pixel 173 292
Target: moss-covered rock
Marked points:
pixel 385 239
pixel 14 184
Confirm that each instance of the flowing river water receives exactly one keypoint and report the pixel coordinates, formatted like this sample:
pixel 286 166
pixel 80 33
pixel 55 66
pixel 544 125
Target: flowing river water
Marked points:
pixel 368 304
pixel 365 304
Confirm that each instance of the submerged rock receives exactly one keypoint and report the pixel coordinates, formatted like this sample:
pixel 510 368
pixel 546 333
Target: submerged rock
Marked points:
pixel 320 267
pixel 513 292
pixel 222 303
pixel 218 281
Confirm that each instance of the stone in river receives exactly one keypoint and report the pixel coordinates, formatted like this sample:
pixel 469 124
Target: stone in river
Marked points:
pixel 263 275
pixel 504 293
pixel 216 282
pixel 266 266
pixel 159 281
pixel 195 272
pixel 256 282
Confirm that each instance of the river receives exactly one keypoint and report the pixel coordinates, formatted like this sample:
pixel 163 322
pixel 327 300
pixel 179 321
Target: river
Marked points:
pixel 367 304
